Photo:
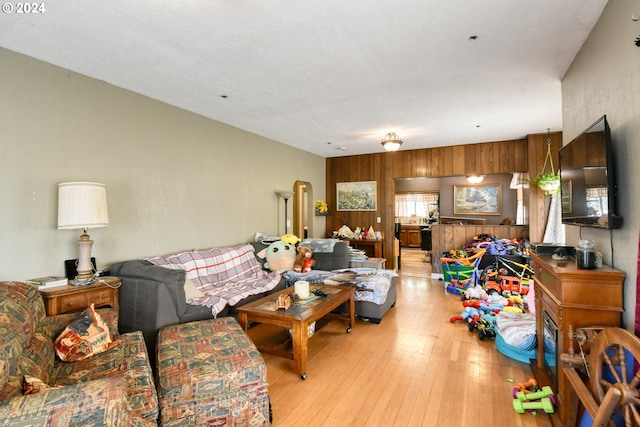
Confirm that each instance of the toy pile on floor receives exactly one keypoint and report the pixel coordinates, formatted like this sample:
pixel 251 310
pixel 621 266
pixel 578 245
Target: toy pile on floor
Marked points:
pixel 481 308
pixel 488 291
pixel 528 397
pixel 497 294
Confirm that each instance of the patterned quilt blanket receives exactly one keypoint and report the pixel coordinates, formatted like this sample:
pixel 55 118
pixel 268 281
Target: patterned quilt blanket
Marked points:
pixel 372 285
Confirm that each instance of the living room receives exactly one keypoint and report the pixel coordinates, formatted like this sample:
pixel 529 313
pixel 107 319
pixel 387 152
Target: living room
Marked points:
pixel 176 180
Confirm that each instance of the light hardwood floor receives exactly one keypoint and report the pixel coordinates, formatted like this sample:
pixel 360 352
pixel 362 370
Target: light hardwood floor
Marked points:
pixel 415 368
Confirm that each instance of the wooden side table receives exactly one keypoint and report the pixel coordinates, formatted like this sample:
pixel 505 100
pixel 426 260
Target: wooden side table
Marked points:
pixel 69 299
pixel 373 248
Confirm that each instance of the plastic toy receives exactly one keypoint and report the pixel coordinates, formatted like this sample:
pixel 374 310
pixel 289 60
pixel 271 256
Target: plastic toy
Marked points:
pixel 486 326
pixel 545 404
pixel 526 387
pixel 461 273
pixel 544 392
pixel 530 401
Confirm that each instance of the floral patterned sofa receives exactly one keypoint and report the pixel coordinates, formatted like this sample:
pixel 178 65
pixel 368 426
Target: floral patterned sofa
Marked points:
pixel 112 388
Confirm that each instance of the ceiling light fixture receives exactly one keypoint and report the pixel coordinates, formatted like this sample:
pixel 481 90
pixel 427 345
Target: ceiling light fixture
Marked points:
pixel 391 141
pixel 475 179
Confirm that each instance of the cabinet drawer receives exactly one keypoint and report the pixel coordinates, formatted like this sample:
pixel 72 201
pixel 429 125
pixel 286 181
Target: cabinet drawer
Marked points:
pixel 72 299
pixel 72 303
pixel 78 302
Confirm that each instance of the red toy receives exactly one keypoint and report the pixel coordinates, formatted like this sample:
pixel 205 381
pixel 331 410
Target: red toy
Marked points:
pixel 308 264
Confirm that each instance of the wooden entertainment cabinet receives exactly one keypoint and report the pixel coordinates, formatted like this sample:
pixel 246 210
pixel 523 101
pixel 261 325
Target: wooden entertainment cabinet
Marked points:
pixel 568 296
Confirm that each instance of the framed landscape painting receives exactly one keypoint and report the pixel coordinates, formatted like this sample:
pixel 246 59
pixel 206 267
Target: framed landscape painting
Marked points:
pixel 477 199
pixel 356 196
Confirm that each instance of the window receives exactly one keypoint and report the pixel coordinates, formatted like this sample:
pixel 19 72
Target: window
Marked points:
pixel 597 201
pixel 416 204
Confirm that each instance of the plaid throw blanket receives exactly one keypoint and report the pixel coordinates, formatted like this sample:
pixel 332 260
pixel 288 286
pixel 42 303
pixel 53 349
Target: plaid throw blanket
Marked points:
pixel 225 275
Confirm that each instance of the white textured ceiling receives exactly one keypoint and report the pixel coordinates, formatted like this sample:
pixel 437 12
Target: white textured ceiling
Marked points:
pixel 333 76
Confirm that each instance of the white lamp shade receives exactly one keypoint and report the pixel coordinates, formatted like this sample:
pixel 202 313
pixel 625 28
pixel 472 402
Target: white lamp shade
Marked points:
pixel 285 194
pixel 82 205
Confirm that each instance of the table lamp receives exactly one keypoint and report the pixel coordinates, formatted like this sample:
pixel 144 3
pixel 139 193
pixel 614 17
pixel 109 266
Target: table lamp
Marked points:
pixel 82 205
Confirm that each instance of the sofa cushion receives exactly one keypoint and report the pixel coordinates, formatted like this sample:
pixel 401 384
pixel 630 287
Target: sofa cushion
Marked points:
pixel 37 359
pixel 329 254
pixel 129 360
pixel 191 293
pixel 141 279
pixel 86 336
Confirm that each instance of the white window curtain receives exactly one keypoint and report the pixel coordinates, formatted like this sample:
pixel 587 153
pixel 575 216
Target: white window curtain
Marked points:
pixel 416 204
pixel 554 231
pixel 519 183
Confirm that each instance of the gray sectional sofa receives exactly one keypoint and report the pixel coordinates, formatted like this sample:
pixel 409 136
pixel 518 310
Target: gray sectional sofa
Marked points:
pixel 152 296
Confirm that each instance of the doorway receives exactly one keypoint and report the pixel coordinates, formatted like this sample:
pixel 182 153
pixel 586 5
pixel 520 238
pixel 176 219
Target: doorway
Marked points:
pixel 416 207
pixel 302 209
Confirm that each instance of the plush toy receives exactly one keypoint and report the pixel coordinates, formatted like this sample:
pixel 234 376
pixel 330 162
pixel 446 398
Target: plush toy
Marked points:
pixel 280 256
pixel 475 292
pixel 304 260
pixel 291 239
pixel 470 315
pixel 346 232
pixel 486 326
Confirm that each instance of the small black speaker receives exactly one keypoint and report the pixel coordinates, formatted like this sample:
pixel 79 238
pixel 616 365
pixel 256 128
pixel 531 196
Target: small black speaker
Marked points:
pixel 71 267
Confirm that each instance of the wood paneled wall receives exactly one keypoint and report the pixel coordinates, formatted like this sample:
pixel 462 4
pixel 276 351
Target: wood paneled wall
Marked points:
pixel 538 209
pixel 384 168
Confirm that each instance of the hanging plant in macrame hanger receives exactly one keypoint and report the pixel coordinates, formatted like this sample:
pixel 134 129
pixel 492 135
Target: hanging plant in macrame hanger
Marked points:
pixel 549 182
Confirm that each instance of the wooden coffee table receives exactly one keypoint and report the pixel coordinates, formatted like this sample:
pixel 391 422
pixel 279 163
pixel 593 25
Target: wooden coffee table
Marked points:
pixel 297 318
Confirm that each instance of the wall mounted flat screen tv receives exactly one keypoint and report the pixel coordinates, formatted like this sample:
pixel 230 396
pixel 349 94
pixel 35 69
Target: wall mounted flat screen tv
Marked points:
pixel 587 175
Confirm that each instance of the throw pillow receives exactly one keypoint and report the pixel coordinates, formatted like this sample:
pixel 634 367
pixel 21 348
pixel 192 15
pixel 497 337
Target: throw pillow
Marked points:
pixel 191 293
pixel 84 337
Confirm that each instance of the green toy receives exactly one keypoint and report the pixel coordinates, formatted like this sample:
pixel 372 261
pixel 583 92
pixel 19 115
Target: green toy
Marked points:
pixel 544 392
pixel 545 404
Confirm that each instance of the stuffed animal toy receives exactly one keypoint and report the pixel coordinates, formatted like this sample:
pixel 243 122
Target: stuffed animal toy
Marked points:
pixel 304 260
pixel 475 292
pixel 291 239
pixel 345 232
pixel 280 256
pixel 470 315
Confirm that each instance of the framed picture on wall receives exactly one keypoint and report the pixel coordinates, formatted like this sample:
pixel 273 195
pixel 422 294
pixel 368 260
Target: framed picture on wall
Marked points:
pixel 483 199
pixel 356 196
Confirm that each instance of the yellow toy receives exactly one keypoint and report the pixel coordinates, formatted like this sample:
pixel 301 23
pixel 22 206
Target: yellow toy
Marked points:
pixel 291 239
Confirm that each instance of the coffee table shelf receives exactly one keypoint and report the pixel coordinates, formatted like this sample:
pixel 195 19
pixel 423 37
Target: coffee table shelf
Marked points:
pixel 293 345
